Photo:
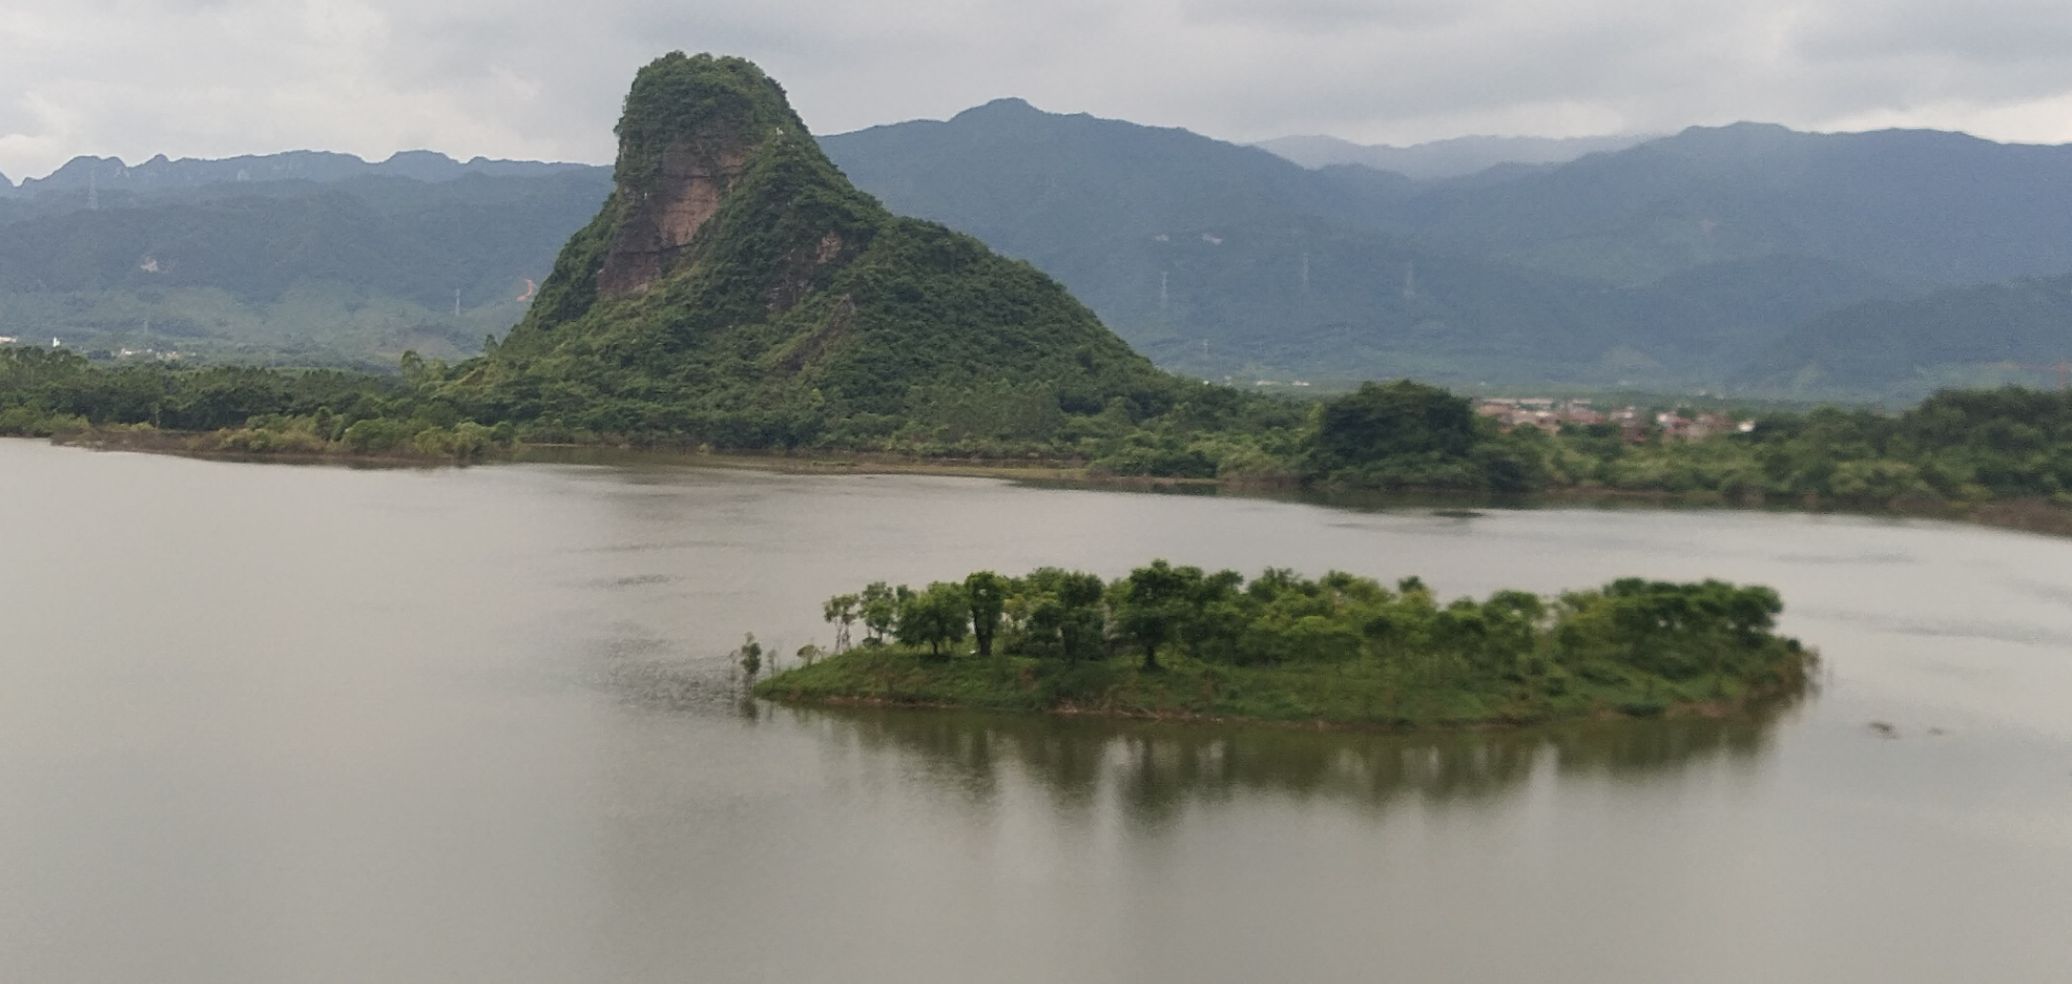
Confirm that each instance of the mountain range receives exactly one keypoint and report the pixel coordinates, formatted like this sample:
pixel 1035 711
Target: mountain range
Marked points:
pixel 1746 258
pixel 1671 264
pixel 1450 158
pixel 110 174
pixel 349 263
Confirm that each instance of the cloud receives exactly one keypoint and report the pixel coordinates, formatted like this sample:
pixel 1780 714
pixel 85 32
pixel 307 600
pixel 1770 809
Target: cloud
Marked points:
pixel 531 78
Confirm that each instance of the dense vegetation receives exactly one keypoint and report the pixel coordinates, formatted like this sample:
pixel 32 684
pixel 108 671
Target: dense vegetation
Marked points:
pixel 236 409
pixel 800 313
pixel 1178 641
pixel 1959 445
pixel 1958 449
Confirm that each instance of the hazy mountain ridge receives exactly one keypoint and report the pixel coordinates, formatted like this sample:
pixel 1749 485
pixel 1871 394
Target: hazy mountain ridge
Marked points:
pixel 1450 158
pixel 1343 271
pixel 1906 205
pixel 1673 262
pixel 108 174
pixel 353 270
pixel 1983 334
pixel 1036 184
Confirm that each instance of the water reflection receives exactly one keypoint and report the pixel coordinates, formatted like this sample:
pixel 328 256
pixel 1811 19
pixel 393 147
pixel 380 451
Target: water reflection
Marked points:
pixel 1156 770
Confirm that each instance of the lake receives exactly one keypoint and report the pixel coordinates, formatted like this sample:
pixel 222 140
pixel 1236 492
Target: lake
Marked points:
pixel 272 723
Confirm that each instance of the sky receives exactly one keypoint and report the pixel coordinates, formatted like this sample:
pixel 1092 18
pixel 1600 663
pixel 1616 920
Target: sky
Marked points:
pixel 537 79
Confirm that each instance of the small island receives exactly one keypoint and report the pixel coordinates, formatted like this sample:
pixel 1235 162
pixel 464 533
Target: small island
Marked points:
pixel 1175 642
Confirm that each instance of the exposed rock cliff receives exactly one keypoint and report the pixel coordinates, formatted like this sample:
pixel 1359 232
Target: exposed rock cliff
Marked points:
pixel 659 223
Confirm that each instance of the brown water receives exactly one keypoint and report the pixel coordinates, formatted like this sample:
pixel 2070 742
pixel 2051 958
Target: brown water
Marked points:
pixel 264 723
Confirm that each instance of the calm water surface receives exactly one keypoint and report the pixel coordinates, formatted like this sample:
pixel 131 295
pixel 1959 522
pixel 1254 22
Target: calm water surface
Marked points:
pixel 263 723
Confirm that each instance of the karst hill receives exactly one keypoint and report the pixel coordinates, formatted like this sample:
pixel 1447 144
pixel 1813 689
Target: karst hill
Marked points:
pixel 736 288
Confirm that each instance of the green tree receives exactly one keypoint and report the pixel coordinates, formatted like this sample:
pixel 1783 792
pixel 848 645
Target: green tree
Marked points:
pixel 1153 602
pixel 934 617
pixel 840 611
pixel 987 593
pixel 879 606
pixel 1394 423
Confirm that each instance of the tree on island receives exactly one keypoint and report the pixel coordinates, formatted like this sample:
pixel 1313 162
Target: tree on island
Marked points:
pixel 1341 647
pixel 987 593
pixel 935 617
pixel 1152 603
pixel 880 609
pixel 840 611
pixel 1066 620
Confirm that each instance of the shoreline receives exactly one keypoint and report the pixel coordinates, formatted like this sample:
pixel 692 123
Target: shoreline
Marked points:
pixel 2028 515
pixel 1320 697
pixel 1751 708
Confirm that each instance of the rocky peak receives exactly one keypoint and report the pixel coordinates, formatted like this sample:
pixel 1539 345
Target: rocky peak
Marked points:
pixel 692 125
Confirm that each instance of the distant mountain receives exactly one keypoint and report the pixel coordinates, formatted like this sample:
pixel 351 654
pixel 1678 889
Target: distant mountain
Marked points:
pixel 1450 158
pixel 1220 259
pixel 109 174
pixel 403 237
pixel 354 270
pixel 737 289
pixel 1906 205
pixel 1209 256
pixel 1977 335
pixel 1043 185
pixel 6 186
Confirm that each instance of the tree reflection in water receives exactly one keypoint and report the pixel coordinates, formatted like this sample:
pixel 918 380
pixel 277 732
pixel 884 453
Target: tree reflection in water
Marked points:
pixel 1155 770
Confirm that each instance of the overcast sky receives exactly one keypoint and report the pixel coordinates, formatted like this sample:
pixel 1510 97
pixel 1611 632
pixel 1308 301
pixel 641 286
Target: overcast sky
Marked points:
pixel 538 79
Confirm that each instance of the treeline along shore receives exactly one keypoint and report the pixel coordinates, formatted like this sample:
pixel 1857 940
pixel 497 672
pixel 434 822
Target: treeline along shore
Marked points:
pixel 1171 641
pixel 2002 456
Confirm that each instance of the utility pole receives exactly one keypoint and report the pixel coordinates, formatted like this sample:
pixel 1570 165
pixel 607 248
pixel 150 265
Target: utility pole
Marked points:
pixel 456 302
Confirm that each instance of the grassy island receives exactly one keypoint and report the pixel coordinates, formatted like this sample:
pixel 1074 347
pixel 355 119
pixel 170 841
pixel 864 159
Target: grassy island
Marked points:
pixel 1176 642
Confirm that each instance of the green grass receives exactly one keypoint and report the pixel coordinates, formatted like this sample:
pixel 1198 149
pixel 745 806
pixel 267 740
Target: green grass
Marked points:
pixel 1362 693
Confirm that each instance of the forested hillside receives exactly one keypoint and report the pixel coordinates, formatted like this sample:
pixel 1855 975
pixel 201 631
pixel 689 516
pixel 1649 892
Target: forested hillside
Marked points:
pixel 352 271
pixel 1678 263
pixel 1746 259
pixel 736 289
pixel 2015 331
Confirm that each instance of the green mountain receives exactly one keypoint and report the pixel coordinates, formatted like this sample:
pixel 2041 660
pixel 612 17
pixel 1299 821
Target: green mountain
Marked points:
pixel 2014 332
pixel 1674 263
pixel 1218 259
pixel 351 271
pixel 1043 186
pixel 1904 205
pixel 736 288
